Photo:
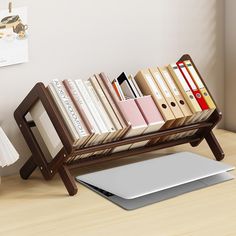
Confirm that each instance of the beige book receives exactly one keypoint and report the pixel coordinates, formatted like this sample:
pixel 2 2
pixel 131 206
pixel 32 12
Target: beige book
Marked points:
pixel 107 106
pixel 74 135
pixel 112 98
pixel 101 110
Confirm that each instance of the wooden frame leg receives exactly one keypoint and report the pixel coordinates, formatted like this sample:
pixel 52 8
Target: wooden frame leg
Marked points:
pixel 68 180
pixel 28 168
pixel 214 146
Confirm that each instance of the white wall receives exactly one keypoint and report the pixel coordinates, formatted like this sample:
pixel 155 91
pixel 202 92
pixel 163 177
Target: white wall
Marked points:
pixel 74 39
pixel 230 65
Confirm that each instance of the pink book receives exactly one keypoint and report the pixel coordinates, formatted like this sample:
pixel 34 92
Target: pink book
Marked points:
pixel 150 113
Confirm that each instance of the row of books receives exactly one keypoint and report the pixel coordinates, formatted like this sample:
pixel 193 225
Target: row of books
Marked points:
pixel 97 110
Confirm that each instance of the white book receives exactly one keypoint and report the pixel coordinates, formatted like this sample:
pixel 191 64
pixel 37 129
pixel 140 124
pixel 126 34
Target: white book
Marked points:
pixel 86 96
pixel 99 105
pixel 71 110
pixel 91 106
pixel 62 110
pixel 83 104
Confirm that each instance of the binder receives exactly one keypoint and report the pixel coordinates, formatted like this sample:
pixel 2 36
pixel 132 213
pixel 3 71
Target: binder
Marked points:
pixel 200 84
pixel 186 92
pixel 150 113
pixel 196 92
pixel 147 85
pixel 179 116
pixel 181 102
pixel 177 94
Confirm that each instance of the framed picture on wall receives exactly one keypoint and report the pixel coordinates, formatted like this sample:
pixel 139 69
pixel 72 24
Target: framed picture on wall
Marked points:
pixel 13 36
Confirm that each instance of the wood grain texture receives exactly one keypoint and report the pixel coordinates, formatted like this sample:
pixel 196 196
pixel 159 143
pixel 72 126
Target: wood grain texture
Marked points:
pixel 39 207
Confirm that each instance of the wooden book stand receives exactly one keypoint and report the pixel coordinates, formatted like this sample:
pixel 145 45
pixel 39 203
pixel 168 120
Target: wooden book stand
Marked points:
pixel 60 164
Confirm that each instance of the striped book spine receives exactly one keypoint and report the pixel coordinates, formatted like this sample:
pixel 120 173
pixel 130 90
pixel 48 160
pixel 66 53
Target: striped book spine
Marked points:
pixel 73 115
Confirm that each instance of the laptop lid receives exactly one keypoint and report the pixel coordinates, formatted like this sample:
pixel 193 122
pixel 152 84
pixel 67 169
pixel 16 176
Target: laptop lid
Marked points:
pixel 145 177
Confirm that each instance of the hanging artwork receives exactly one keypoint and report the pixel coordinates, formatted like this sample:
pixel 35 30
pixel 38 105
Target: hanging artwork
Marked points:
pixel 13 36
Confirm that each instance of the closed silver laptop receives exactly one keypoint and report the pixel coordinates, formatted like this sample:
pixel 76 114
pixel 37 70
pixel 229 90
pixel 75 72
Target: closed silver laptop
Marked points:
pixel 138 184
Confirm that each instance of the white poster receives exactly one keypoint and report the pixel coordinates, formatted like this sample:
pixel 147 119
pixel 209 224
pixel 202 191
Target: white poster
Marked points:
pixel 13 36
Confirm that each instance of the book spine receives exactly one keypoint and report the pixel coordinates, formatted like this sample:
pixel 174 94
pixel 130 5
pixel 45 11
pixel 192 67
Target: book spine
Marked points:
pixel 81 105
pixel 69 108
pixel 100 107
pixel 91 106
pixel 61 108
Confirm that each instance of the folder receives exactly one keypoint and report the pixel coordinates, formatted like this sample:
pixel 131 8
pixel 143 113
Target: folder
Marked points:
pixel 196 92
pixel 200 84
pixel 181 102
pixel 148 86
pixel 136 120
pixel 179 116
pixel 150 113
pixel 186 92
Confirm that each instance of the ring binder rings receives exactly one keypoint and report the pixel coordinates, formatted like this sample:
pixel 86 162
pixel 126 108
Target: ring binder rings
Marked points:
pixel 61 162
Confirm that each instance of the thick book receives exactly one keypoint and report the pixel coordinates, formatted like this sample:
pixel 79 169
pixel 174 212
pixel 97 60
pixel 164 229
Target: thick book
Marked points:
pixel 74 135
pixel 84 112
pixel 101 110
pixel 108 108
pixel 73 115
pixel 103 132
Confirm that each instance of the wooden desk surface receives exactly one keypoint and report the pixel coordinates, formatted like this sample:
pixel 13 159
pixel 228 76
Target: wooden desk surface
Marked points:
pixel 39 207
